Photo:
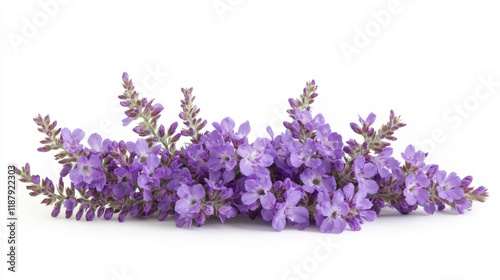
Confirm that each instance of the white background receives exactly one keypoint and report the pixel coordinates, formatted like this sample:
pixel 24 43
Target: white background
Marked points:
pixel 425 63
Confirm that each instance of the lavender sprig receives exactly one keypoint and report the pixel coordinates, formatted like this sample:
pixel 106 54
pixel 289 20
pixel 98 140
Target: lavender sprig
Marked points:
pixel 54 140
pixel 305 100
pixel 141 108
pixel 45 187
pixel 300 113
pixel 189 115
pixel 304 175
pixel 373 141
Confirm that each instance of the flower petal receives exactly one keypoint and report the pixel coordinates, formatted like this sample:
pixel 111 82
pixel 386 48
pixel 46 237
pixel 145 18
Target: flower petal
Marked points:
pixel 268 200
pixel 198 191
pixel 249 198
pixel 326 225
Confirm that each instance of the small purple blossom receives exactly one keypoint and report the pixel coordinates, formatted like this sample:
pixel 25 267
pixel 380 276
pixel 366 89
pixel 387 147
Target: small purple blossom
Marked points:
pixel 415 158
pixel 258 189
pixel 303 154
pixel 331 213
pixel 123 187
pixel 385 162
pixel 370 119
pixel 70 204
pixel 88 173
pixel 255 158
pixel 329 143
pixel 364 172
pixel 360 207
pixel 72 140
pixel 189 203
pixel 226 128
pixel 289 211
pixel 179 177
pixel 150 176
pixel 317 179
pixel 226 212
pixel 461 205
pixel 448 187
pixel 222 157
pixel 416 188
pixel 141 149
pixel 95 142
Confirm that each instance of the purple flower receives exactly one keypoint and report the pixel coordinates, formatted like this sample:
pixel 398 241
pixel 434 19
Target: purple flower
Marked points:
pixel 305 118
pixel 359 206
pixel 258 189
pixel 329 143
pixel 243 130
pixel 448 187
pixel 461 205
pixel 255 158
pixel 197 157
pixel 303 154
pixel 141 149
pixel 178 178
pixel 150 176
pixel 330 214
pixel 218 180
pixel 369 120
pixel 413 157
pixel 189 203
pixel 222 157
pixel 402 206
pixel 72 140
pixel 281 144
pixel 288 210
pixel 88 173
pixel 416 188
pixel 70 204
pixel 226 128
pixel 95 142
pixel 226 212
pixel 123 186
pixel 364 172
pixel 317 179
pixel 385 162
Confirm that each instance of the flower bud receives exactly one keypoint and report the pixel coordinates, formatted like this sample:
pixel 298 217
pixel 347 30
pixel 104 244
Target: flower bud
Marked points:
pixel 90 215
pixel 466 181
pixel 355 127
pixel 293 103
pixel 172 128
pixel 122 215
pixel 100 211
pixel 56 210
pixel 69 214
pixel 65 171
pixel 79 214
pixel 108 213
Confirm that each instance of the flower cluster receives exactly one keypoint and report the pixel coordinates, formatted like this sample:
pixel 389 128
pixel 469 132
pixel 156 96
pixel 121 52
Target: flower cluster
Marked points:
pixel 305 175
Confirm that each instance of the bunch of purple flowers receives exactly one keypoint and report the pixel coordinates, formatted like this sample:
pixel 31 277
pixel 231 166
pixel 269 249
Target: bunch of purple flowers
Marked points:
pixel 306 174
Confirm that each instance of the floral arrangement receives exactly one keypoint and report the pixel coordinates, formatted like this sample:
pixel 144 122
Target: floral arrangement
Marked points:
pixel 306 174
